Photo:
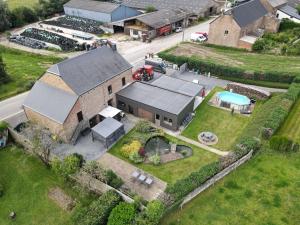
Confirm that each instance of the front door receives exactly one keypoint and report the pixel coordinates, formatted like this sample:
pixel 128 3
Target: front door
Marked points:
pixel 157 119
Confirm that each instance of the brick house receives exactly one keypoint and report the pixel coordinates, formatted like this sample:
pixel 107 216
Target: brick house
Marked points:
pixel 242 25
pixel 70 95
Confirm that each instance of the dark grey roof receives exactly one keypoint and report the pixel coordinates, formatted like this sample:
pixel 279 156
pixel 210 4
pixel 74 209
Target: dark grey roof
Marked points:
pixel 248 12
pixel 293 3
pixel 90 5
pixel 194 6
pixel 178 85
pixel 87 71
pixel 277 3
pixel 156 97
pixel 49 101
pixel 162 17
pixel 107 127
pixel 290 11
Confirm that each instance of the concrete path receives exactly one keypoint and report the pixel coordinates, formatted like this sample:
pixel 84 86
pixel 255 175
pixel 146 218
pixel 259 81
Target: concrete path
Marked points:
pixel 124 170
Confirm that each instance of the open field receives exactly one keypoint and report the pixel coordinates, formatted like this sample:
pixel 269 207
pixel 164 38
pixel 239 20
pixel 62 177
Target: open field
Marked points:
pixel 291 127
pixel 264 191
pixel 172 171
pixel 241 59
pixel 12 4
pixel 24 69
pixel 26 183
pixel 219 121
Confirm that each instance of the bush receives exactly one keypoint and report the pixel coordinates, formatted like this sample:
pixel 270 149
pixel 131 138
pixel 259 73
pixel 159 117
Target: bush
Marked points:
pixel 98 211
pixel 144 127
pixel 3 126
pixel 287 24
pixel 1 190
pixel 4 78
pixel 128 149
pixel 283 144
pixel 186 185
pixel 155 159
pixel 152 214
pixel 95 170
pixel 112 179
pixel 67 167
pixel 22 15
pixel 136 157
pixel 122 214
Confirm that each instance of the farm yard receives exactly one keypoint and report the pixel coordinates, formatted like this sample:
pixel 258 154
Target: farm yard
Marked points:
pixel 24 69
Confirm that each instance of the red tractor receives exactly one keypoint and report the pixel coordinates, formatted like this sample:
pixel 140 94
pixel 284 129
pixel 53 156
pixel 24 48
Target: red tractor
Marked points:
pixel 144 73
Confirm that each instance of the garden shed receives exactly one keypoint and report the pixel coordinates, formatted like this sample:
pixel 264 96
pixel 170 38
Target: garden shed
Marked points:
pixel 108 131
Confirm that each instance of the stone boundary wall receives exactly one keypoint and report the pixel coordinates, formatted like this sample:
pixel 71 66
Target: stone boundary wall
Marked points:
pixel 216 178
pixel 251 92
pixel 21 140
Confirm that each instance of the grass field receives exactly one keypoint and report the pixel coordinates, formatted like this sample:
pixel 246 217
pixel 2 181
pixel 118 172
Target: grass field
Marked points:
pixel 291 127
pixel 226 126
pixel 172 171
pixel 265 191
pixel 26 183
pixel 12 4
pixel 24 68
pixel 236 58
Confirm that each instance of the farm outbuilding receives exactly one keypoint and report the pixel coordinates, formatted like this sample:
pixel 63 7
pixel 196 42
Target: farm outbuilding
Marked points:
pixel 105 12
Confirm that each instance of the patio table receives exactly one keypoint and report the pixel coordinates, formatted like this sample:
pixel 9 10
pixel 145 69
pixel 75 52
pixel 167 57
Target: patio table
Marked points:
pixel 142 178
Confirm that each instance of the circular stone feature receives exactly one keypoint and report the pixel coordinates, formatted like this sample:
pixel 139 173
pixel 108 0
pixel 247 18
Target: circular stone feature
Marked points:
pixel 208 138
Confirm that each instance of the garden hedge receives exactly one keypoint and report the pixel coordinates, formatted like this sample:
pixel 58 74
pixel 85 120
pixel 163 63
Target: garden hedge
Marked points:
pixel 98 211
pixel 283 144
pixel 122 214
pixel 201 66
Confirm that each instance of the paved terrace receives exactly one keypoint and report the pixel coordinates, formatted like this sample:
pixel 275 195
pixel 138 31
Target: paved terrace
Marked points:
pixel 124 170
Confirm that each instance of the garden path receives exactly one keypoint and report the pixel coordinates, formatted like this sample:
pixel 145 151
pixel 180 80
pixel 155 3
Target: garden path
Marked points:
pixel 124 170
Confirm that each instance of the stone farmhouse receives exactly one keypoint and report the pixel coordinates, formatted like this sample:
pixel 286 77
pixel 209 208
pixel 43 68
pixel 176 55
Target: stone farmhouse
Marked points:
pixel 69 96
pixel 242 25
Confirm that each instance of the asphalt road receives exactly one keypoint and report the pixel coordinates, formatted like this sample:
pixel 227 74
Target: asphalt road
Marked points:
pixel 134 54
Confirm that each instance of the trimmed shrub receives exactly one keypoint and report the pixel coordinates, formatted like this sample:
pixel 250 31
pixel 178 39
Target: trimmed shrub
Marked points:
pixel 155 159
pixel 98 211
pixel 136 157
pixel 128 149
pixel 1 190
pixel 122 214
pixel 283 144
pixel 152 214
pixel 144 127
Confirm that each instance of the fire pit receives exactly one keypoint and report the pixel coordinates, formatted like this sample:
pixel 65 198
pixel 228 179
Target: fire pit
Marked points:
pixel 208 138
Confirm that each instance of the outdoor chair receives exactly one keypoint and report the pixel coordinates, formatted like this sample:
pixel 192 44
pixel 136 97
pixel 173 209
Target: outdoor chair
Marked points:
pixel 135 175
pixel 149 181
pixel 142 178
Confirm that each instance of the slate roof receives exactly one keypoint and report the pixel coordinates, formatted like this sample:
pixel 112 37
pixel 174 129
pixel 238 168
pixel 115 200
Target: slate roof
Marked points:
pixel 194 6
pixel 107 127
pixel 162 17
pixel 96 6
pixel 159 98
pixel 293 3
pixel 49 101
pixel 290 11
pixel 89 70
pixel 248 12
pixel 277 3
pixel 178 85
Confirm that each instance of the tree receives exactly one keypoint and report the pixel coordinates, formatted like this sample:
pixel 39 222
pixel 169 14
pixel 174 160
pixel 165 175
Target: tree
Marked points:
pixel 22 15
pixel 47 8
pixel 4 16
pixel 67 167
pixel 122 214
pixel 4 78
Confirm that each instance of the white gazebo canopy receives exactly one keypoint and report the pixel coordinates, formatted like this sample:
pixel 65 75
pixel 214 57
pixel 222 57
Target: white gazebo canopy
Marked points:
pixel 109 111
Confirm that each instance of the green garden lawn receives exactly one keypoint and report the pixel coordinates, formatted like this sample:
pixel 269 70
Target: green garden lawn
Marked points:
pixel 264 191
pixel 172 171
pixel 26 183
pixel 291 127
pixel 226 126
pixel 12 4
pixel 24 69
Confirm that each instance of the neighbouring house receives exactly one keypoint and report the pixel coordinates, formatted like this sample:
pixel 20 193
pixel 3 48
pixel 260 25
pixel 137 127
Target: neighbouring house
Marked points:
pixel 288 12
pixel 155 24
pixel 199 8
pixel 105 12
pixel 169 105
pixel 70 95
pixel 242 25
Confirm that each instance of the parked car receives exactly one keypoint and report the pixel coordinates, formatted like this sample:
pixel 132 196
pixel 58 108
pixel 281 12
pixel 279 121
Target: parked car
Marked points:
pixel 178 29
pixel 198 37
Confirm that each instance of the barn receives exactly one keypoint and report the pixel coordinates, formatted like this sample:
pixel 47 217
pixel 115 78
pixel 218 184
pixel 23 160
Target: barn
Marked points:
pixel 105 12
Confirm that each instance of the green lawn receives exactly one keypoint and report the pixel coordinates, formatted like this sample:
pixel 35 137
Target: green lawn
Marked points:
pixel 12 4
pixel 265 191
pixel 172 171
pixel 291 127
pixel 219 121
pixel 242 59
pixel 26 183
pixel 24 68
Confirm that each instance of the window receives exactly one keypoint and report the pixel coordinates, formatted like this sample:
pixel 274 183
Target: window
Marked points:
pixel 168 121
pixel 226 32
pixel 157 117
pixel 109 89
pixel 79 116
pixel 123 81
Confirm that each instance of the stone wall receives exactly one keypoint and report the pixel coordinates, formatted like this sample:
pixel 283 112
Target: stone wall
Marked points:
pixel 249 91
pixel 21 140
pixel 216 178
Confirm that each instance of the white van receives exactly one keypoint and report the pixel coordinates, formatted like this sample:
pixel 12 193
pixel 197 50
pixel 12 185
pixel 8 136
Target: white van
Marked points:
pixel 198 37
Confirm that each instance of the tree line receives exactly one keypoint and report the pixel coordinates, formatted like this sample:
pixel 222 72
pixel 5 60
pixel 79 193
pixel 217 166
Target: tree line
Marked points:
pixel 23 15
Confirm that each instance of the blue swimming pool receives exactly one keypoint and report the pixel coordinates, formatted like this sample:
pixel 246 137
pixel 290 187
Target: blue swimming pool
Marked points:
pixel 233 98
